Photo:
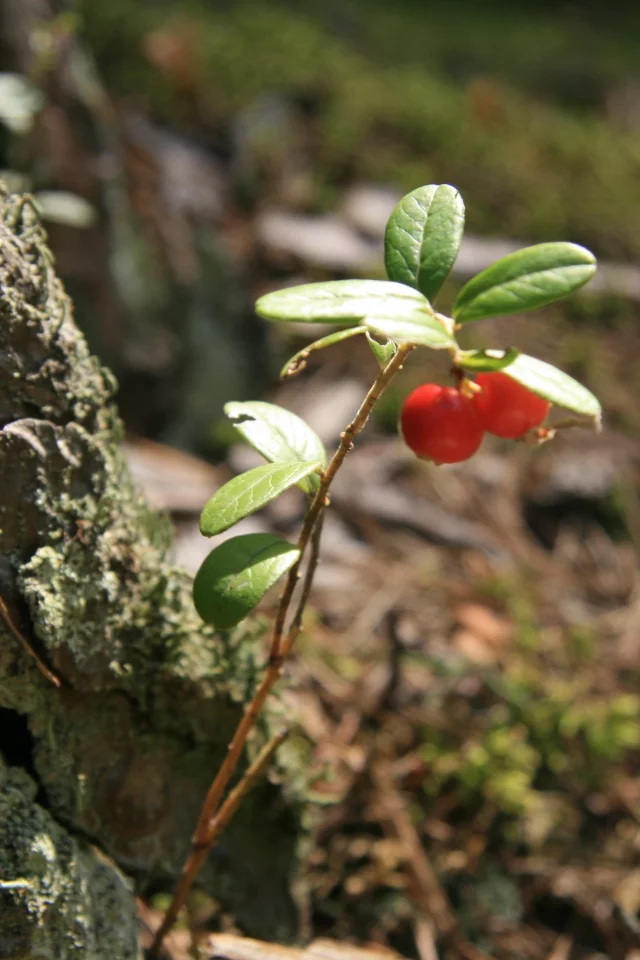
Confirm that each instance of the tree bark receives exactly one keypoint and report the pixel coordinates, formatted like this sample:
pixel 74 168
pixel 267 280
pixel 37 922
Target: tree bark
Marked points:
pixel 121 753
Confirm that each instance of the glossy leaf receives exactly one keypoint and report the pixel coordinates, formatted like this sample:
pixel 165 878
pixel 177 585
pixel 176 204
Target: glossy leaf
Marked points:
pixel 278 435
pixel 423 237
pixel 383 352
pixel 487 361
pixel 249 492
pixel 425 330
pixel 529 278
pixel 298 361
pixel 554 385
pixel 340 301
pixel 237 574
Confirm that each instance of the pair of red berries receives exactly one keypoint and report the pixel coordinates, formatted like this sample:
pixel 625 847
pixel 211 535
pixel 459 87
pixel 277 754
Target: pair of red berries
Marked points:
pixel 445 425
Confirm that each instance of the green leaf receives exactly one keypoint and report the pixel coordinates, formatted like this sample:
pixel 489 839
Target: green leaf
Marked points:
pixel 554 385
pixel 237 574
pixel 278 435
pixel 249 492
pixel 383 352
pixel 423 237
pixel 487 361
pixel 529 278
pixel 422 329
pixel 298 361
pixel 340 301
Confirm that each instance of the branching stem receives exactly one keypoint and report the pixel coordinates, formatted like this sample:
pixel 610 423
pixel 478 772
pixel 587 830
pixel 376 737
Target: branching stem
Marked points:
pixel 209 825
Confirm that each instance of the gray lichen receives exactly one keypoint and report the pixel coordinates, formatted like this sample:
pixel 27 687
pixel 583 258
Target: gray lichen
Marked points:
pixel 125 749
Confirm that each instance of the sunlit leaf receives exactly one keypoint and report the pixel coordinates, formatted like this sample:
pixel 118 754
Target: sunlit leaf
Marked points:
pixel 487 361
pixel 423 237
pixel 554 385
pixel 237 574
pixel 424 330
pixel 249 492
pixel 278 435
pixel 341 301
pixel 298 361
pixel 529 278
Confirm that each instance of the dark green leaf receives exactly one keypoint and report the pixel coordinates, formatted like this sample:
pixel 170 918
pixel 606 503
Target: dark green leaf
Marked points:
pixel 383 352
pixel 298 361
pixel 237 574
pixel 554 385
pixel 249 492
pixel 487 361
pixel 529 278
pixel 279 435
pixel 420 328
pixel 340 301
pixel 423 237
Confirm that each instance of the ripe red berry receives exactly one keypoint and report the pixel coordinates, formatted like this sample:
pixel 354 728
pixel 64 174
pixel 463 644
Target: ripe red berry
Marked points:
pixel 440 423
pixel 506 408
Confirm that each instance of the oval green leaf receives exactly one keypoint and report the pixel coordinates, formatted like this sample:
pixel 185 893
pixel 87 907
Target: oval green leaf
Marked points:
pixel 298 361
pixel 487 361
pixel 423 237
pixel 383 352
pixel 529 278
pixel 237 574
pixel 340 301
pixel 249 492
pixel 423 329
pixel 554 385
pixel 278 435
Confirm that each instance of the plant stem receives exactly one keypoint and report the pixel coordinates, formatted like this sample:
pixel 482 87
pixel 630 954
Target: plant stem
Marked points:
pixel 199 853
pixel 312 563
pixel 205 834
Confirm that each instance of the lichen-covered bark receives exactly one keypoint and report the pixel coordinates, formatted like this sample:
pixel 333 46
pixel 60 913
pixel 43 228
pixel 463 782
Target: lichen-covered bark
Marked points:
pixel 58 896
pixel 125 748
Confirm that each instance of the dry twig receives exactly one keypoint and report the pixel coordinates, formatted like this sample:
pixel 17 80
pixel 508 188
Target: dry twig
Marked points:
pixel 428 892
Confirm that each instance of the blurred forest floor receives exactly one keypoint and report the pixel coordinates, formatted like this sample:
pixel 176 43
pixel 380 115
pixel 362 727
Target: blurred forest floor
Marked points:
pixel 467 684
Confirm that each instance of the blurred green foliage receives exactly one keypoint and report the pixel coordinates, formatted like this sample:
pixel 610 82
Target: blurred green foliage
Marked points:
pixel 546 723
pixel 441 93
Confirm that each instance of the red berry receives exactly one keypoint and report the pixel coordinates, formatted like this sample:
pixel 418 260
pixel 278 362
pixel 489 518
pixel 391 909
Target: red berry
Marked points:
pixel 440 423
pixel 506 408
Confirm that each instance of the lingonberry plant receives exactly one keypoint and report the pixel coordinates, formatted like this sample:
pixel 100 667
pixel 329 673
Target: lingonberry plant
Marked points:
pixel 510 397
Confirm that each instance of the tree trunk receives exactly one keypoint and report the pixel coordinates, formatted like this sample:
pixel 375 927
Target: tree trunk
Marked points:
pixel 106 771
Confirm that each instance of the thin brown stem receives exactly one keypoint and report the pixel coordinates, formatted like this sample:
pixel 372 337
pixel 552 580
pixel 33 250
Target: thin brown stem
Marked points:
pixel 10 618
pixel 319 502
pixel 280 647
pixel 239 792
pixel 427 890
pixel 199 853
pixel 312 564
pixel 200 843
